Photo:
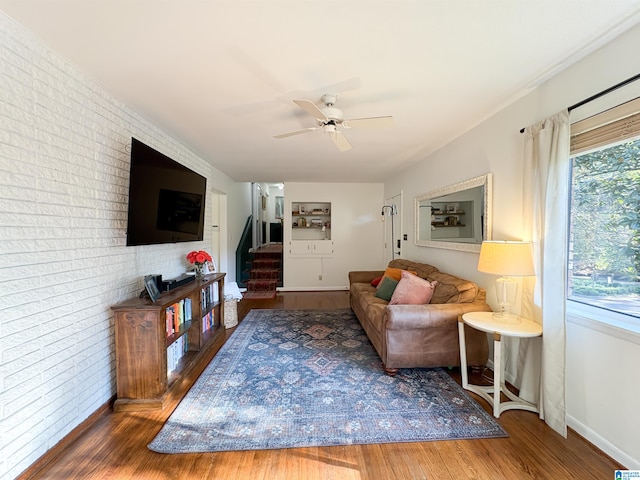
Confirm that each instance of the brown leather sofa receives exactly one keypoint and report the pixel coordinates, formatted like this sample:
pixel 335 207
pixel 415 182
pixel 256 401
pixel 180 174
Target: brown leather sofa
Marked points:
pixel 414 336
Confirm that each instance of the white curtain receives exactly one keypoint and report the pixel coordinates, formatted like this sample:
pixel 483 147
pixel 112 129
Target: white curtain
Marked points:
pixel 546 218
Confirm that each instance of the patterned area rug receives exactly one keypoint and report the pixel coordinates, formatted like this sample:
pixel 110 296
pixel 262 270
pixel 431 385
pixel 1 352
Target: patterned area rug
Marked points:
pixel 312 378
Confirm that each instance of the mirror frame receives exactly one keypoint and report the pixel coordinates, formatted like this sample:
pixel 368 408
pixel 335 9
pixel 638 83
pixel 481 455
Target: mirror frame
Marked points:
pixel 483 180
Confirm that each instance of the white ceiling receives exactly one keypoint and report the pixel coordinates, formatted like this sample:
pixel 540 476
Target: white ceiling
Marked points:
pixel 220 76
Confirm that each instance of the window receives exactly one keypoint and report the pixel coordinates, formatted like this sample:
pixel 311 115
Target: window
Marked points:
pixel 604 248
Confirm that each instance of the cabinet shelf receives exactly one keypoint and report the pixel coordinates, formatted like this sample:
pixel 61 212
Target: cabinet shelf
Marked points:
pixel 314 223
pixel 311 227
pixel 184 329
pixel 149 360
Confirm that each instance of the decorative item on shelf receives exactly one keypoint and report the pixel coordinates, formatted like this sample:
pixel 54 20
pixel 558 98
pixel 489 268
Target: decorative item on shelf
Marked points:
pixel 508 259
pixel 199 259
pixel 151 287
pixel 451 208
pixel 210 266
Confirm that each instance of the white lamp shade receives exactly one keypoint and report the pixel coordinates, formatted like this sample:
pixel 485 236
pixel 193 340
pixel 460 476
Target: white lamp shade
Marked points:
pixel 514 259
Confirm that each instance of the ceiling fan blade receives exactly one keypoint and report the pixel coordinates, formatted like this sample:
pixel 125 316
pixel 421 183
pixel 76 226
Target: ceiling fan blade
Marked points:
pixel 311 108
pixel 370 122
pixel 297 132
pixel 340 140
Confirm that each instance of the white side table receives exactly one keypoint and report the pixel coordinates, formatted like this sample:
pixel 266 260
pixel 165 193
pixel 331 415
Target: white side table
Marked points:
pixel 485 322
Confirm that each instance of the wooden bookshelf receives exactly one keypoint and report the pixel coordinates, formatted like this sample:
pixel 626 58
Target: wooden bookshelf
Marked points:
pixel 144 373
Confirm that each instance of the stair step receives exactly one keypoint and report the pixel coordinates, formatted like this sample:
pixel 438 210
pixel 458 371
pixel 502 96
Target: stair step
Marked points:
pixel 266 273
pixel 261 285
pixel 267 255
pixel 270 263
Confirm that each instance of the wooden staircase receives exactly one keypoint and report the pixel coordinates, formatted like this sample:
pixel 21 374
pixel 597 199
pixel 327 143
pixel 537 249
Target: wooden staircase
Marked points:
pixel 265 272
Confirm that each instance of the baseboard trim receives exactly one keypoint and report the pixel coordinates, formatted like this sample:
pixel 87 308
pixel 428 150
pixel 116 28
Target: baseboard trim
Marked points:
pixel 602 444
pixel 53 453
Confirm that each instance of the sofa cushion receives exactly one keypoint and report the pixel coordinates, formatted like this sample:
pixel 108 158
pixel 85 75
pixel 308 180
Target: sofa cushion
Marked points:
pixel 395 273
pixel 386 288
pixel 423 270
pixel 376 281
pixel 412 290
pixel 452 289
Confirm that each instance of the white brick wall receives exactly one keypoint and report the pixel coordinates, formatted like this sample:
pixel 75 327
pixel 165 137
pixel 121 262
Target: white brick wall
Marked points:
pixel 64 173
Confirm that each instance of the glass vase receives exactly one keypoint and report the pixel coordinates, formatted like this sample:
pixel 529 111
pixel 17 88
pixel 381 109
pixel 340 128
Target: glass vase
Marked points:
pixel 199 271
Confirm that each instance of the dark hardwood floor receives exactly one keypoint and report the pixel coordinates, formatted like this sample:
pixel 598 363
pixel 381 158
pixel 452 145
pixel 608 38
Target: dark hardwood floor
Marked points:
pixel 115 445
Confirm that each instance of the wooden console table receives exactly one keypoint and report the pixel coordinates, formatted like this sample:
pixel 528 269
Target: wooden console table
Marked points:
pixel 159 342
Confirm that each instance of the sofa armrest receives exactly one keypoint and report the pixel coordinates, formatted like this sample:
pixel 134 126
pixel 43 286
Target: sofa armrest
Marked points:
pixel 408 317
pixel 364 276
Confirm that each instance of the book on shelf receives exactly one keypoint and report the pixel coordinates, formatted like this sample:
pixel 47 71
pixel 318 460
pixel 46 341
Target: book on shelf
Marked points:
pixel 176 351
pixel 177 315
pixel 169 314
pixel 208 321
pixel 209 295
pixel 187 309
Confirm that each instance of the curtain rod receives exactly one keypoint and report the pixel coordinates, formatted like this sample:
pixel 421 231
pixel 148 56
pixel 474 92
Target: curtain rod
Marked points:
pixel 601 94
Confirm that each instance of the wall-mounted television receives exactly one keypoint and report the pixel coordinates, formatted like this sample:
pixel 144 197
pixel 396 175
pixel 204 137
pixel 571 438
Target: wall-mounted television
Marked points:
pixel 166 199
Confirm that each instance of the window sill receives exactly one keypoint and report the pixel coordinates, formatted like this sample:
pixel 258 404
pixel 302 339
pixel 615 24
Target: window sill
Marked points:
pixel 614 324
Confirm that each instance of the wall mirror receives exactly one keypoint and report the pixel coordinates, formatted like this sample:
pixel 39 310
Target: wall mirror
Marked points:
pixel 457 217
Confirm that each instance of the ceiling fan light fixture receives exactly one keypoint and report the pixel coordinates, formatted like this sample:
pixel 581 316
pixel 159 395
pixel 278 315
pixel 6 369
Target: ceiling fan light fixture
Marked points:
pixel 330 128
pixel 331 119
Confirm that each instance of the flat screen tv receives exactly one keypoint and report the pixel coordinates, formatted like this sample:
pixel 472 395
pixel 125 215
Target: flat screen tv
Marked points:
pixel 166 199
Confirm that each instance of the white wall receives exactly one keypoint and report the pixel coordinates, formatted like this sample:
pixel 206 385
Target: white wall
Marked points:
pixel 356 231
pixel 64 173
pixel 239 208
pixel 602 390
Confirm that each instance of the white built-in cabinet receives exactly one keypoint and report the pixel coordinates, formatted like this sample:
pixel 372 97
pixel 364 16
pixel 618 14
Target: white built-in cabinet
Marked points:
pixel 311 247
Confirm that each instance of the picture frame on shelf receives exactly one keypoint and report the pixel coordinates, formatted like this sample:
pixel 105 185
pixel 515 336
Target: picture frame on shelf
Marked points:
pixel 211 266
pixel 302 209
pixel 151 287
pixel 450 208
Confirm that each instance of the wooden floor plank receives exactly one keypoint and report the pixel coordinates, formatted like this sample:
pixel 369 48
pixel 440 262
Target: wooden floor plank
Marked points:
pixel 115 446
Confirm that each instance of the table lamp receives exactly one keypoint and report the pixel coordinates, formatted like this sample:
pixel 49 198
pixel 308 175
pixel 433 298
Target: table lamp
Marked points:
pixel 508 259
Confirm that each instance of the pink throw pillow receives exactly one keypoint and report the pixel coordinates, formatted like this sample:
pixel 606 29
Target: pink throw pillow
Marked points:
pixel 412 290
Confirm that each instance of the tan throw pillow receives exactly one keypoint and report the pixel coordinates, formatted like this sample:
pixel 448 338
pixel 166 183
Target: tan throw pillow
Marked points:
pixel 412 290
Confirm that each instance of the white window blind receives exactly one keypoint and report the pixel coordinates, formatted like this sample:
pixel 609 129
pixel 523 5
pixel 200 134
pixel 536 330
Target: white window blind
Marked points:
pixel 609 127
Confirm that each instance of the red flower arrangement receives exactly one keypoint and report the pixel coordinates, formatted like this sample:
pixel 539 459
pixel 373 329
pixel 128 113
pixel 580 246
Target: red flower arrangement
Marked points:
pixel 199 257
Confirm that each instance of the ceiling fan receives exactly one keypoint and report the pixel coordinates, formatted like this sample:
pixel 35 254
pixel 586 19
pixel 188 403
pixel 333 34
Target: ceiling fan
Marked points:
pixel 331 119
